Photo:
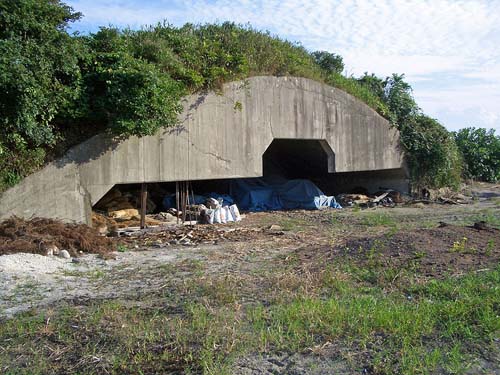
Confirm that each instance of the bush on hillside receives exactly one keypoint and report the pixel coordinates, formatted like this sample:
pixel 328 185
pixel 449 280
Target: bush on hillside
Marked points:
pixel 481 153
pixel 61 88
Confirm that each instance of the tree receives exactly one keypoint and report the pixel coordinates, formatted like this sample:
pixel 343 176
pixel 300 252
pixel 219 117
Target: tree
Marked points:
pixel 398 95
pixel 375 84
pixel 481 153
pixel 329 62
pixel 431 153
pixel 123 94
pixel 39 77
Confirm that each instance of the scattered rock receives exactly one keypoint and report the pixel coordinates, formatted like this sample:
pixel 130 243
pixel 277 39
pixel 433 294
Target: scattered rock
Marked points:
pixel 64 254
pixel 51 250
pixel 275 227
pixel 481 225
pixel 102 229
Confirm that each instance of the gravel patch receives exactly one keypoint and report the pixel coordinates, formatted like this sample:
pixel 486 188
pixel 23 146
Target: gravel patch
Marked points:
pixel 32 280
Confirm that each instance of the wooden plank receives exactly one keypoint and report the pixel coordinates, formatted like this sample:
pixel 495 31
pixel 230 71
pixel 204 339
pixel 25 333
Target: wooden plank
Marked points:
pixel 144 202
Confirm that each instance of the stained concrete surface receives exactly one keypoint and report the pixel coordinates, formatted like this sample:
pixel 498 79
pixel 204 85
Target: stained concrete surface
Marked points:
pixel 220 135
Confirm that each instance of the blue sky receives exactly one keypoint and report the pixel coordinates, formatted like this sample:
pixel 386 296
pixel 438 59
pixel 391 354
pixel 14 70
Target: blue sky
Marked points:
pixel 449 50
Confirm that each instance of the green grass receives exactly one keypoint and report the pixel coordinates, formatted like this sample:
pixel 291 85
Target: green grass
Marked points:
pixel 373 219
pixel 90 274
pixel 430 327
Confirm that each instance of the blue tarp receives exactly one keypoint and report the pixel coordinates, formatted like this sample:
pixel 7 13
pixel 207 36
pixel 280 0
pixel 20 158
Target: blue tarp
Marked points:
pixel 257 195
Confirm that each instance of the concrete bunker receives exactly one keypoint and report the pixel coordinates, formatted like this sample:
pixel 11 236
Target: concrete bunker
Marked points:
pixel 217 140
pixel 284 159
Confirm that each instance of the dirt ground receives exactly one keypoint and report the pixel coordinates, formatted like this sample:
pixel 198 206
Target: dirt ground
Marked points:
pixel 433 252
pixel 432 241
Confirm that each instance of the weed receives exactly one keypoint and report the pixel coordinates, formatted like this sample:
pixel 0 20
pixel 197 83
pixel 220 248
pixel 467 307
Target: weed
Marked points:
pixel 377 219
pixel 419 254
pixel 461 247
pixel 291 224
pixel 490 246
pixel 91 275
pixel 122 248
pixel 238 106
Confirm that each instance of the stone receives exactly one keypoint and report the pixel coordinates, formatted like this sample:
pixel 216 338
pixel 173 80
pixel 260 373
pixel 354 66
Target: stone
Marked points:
pixel 51 250
pixel 64 254
pixel 275 227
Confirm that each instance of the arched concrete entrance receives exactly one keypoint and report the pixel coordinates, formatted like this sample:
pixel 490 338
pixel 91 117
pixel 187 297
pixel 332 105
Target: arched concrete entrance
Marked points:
pixel 219 136
pixel 298 158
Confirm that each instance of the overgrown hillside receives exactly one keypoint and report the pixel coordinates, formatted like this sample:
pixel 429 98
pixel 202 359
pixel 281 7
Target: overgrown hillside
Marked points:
pixel 59 89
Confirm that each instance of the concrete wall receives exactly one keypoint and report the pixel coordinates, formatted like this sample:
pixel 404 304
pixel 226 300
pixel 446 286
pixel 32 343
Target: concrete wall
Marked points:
pixel 219 136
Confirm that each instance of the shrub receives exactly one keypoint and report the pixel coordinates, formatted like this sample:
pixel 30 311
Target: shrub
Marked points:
pixel 480 149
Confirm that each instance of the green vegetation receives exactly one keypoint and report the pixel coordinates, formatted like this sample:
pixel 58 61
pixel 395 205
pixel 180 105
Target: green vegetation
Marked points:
pixel 481 153
pixel 39 78
pixel 377 219
pixel 432 327
pixel 61 89
pixel 372 309
pixel 432 155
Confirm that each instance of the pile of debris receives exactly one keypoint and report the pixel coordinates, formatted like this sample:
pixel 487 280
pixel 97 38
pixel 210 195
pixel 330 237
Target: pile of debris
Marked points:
pixel 190 235
pixel 106 225
pixel 444 196
pixel 117 210
pixel 51 237
pixel 388 198
pixel 122 206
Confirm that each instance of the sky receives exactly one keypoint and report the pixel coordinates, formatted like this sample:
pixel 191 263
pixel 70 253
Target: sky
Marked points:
pixel 449 50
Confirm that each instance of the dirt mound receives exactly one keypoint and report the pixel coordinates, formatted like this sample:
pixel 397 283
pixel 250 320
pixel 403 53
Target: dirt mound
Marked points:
pixel 436 252
pixel 38 235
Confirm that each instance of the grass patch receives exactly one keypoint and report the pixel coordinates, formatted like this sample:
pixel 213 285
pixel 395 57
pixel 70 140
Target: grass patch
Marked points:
pixel 292 224
pixel 91 274
pixel 374 219
pixel 431 327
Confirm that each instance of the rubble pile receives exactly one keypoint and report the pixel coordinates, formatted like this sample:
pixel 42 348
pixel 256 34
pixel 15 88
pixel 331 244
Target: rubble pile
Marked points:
pixel 191 235
pixel 107 225
pixel 388 198
pixel 51 237
pixel 446 196
pixel 122 206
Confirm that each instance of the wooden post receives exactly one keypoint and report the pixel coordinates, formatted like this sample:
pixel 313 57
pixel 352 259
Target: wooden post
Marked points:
pixel 178 205
pixel 144 202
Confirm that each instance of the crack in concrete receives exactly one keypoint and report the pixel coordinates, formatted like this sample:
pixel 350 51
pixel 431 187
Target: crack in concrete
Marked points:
pixel 218 157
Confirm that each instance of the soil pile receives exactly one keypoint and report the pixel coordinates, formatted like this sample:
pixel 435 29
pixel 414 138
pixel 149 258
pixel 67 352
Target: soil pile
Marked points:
pixel 39 236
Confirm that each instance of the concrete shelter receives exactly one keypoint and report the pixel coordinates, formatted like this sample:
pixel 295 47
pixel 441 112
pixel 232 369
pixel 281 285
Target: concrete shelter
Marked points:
pixel 220 136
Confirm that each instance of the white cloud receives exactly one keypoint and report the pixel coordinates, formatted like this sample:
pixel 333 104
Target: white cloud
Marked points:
pixel 489 118
pixel 462 106
pixel 425 39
